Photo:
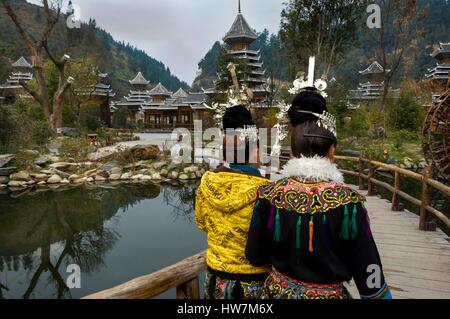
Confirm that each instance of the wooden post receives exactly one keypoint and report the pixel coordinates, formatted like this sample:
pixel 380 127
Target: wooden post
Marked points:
pixel 189 290
pixel 370 188
pixel 396 207
pixel 426 224
pixel 360 171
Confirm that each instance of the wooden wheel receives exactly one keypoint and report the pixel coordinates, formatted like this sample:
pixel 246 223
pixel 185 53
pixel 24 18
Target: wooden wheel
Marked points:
pixel 436 136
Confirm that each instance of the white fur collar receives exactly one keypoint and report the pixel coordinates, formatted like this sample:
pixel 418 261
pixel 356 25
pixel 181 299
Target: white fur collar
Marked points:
pixel 316 169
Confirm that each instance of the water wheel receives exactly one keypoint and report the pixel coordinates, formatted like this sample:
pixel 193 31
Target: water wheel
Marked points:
pixel 436 136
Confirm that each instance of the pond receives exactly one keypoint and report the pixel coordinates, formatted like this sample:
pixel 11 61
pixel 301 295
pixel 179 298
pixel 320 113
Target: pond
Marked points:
pixel 113 233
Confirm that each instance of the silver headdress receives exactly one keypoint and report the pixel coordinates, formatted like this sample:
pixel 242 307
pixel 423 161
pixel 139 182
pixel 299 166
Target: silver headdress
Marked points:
pixel 325 120
pixel 237 95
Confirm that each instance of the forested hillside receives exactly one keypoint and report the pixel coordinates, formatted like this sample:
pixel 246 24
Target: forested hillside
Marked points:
pixel 436 25
pixel 122 61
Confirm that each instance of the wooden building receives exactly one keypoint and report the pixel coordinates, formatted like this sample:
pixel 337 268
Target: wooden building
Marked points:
pixel 371 88
pixel 161 109
pixel 440 74
pixel 11 90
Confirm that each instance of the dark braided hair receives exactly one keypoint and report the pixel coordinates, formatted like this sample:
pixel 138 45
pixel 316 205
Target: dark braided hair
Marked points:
pixel 318 140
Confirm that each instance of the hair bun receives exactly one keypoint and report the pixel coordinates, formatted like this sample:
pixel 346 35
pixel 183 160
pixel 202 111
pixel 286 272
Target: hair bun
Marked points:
pixel 306 101
pixel 237 117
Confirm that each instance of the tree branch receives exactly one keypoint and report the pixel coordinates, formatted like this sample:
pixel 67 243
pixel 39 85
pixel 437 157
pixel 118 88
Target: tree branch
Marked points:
pixel 30 91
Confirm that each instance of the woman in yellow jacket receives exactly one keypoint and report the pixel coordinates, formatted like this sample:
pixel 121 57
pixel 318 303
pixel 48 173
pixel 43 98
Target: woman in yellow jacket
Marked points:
pixel 223 209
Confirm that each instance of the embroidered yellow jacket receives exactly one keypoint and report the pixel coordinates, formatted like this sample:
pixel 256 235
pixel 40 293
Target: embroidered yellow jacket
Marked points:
pixel 223 209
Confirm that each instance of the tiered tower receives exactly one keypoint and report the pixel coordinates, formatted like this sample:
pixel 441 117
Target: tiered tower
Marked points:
pixel 440 74
pixel 12 90
pixel 250 67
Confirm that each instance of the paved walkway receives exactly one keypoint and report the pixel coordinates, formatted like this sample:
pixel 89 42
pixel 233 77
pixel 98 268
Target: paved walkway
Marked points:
pixel 416 263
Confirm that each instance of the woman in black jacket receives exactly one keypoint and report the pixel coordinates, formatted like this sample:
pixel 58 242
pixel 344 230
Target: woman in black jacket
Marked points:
pixel 312 228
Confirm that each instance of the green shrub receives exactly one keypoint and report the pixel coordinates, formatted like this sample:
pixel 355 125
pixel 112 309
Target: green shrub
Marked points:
pixel 75 148
pixel 120 118
pixel 405 113
pixel 90 117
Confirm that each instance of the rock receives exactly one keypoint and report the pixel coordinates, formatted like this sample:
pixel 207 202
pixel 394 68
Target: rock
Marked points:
pixel 17 184
pixel 41 177
pixel 391 160
pixel 145 178
pixel 114 177
pixel 199 174
pixel 20 176
pixel 74 177
pixel 156 177
pixel 183 177
pixel 173 166
pixel 5 159
pixel 90 172
pixel 46 171
pixel 31 182
pixel 99 178
pixel 62 166
pixel 70 131
pixel 191 169
pixel 3 186
pixel 159 165
pixel 192 176
pixel 4 179
pixel 108 167
pixel 65 181
pixel 145 152
pixel 54 179
pixel 116 171
pixel 53 148
pixel 173 175
pixel 100 154
pixel 42 183
pixel 137 177
pixel 143 172
pixel 6 171
pixel 60 174
pixel 125 176
pixel 90 179
pixel 80 181
pixel 42 161
pixel 164 172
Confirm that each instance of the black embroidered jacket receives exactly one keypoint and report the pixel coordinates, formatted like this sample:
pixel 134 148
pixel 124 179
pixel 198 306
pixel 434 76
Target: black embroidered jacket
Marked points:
pixel 316 233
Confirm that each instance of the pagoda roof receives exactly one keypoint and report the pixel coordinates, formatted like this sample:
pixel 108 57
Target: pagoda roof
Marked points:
pixel 374 68
pixel 22 63
pixel 444 49
pixel 160 89
pixel 240 30
pixel 139 80
pixel 180 93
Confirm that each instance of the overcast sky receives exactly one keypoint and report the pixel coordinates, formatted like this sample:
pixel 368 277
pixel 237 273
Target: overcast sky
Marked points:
pixel 177 32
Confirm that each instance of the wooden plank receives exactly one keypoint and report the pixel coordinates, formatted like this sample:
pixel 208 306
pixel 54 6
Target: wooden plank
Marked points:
pixel 152 285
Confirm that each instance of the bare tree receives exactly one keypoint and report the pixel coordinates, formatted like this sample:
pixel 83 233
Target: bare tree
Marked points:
pixel 396 37
pixel 52 12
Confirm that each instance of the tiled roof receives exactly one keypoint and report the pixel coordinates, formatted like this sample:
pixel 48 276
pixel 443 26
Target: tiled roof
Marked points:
pixel 139 80
pixel 22 63
pixel 160 90
pixel 240 30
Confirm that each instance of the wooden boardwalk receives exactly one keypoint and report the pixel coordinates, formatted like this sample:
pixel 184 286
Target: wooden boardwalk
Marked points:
pixel 416 263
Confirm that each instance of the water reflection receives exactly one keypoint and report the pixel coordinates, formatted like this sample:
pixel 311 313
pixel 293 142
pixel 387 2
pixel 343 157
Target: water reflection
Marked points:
pixel 44 232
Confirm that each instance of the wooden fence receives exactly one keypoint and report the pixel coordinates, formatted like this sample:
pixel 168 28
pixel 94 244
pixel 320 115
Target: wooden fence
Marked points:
pixel 184 276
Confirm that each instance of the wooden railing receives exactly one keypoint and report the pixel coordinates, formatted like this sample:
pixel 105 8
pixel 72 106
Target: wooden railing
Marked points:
pixel 184 276
pixel 425 221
